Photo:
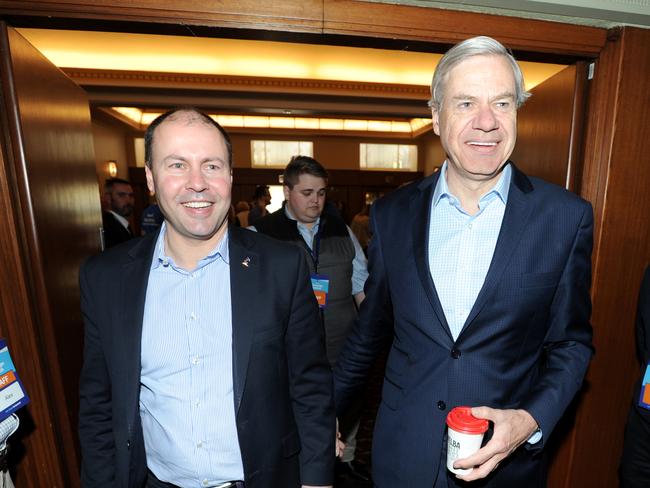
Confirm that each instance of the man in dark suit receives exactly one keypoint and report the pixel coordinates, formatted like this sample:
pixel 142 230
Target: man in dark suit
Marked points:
pixel 635 463
pixel 481 277
pixel 184 383
pixel 118 198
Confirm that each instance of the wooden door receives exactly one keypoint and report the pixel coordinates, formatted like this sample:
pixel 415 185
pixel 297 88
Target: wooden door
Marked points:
pixel 549 128
pixel 50 223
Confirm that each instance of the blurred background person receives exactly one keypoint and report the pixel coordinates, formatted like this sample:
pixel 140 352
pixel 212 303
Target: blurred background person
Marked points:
pixel 119 200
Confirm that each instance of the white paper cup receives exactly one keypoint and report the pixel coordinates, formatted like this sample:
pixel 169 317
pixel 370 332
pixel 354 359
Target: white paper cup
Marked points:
pixel 464 436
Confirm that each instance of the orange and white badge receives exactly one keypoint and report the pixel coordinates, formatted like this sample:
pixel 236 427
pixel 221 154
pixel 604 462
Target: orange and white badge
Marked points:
pixel 321 286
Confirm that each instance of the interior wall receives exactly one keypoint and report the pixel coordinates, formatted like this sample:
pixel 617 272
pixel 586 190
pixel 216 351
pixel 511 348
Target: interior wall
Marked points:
pixel 332 151
pixel 432 152
pixel 110 145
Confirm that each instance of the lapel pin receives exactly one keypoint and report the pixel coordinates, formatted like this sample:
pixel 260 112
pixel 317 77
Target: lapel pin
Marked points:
pixel 246 262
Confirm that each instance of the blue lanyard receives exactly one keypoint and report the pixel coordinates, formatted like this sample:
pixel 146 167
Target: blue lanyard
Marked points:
pixel 316 246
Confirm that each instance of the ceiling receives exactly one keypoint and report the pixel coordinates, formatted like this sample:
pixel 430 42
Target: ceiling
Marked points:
pixel 234 76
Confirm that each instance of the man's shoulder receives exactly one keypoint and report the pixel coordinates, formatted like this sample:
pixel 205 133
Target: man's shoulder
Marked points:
pixel 120 254
pixel 556 195
pixel 404 194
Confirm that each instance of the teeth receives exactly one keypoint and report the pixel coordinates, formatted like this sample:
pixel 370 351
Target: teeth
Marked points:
pixel 483 143
pixel 197 204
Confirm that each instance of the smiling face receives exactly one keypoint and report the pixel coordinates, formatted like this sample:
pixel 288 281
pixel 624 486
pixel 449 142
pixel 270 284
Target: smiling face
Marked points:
pixel 307 198
pixel 477 121
pixel 192 180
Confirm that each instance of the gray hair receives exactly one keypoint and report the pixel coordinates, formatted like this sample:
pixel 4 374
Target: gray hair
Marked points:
pixel 476 46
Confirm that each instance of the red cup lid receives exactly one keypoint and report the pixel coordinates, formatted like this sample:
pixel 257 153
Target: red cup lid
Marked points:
pixel 461 420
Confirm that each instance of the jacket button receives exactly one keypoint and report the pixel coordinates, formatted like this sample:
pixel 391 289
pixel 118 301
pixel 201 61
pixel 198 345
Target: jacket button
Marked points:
pixel 455 353
pixel 128 444
pixel 442 405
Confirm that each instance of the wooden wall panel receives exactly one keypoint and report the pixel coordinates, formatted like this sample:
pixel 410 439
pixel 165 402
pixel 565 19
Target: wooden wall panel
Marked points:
pixel 352 17
pixel 617 181
pixel 348 17
pixel 57 205
pixel 289 15
pixel 544 128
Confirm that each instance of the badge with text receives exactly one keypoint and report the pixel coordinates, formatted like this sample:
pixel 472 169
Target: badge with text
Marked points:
pixel 321 286
pixel 644 397
pixel 12 392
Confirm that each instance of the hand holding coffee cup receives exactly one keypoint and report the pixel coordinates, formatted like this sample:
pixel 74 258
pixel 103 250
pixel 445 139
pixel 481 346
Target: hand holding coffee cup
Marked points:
pixel 464 436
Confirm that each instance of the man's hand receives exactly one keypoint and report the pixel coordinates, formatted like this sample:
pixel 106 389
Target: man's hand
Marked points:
pixel 340 445
pixel 511 429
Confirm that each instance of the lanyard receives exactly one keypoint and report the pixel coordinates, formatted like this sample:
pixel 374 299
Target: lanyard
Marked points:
pixel 315 250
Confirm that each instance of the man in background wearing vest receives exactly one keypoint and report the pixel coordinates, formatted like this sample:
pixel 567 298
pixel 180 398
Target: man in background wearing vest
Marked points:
pixel 337 266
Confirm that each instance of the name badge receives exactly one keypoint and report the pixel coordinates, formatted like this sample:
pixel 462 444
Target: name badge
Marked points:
pixel 321 286
pixel 12 392
pixel 644 396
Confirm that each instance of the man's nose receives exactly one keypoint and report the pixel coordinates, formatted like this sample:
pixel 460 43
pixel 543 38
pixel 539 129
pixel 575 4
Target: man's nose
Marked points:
pixel 196 180
pixel 485 119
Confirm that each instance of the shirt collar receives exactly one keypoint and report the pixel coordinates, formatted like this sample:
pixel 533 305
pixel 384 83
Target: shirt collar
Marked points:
pixel 160 258
pixel 300 225
pixel 120 219
pixel 500 189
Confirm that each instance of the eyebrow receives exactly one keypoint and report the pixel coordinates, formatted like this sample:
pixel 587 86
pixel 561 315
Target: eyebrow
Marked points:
pixel 204 160
pixel 463 96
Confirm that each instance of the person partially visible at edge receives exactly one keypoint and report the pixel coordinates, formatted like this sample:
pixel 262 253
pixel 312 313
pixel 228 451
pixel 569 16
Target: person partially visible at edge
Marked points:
pixel 480 275
pixel 184 383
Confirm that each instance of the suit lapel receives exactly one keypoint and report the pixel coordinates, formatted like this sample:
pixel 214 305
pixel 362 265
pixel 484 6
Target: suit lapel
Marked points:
pixel 244 277
pixel 515 218
pixel 134 280
pixel 421 213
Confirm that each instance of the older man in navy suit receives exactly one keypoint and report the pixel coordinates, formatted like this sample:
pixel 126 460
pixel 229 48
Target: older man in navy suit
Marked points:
pixel 481 276
pixel 184 384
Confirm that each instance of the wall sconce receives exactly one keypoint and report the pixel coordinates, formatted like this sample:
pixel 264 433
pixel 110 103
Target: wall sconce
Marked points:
pixel 112 168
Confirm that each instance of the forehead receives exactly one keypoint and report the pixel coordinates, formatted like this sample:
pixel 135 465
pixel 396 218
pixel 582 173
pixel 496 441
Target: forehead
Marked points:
pixel 186 127
pixel 307 181
pixel 482 70
pixel 121 188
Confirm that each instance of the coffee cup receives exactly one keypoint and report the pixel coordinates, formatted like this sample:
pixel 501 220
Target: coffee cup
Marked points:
pixel 464 436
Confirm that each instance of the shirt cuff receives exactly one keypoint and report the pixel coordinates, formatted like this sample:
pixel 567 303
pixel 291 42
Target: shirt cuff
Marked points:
pixel 535 438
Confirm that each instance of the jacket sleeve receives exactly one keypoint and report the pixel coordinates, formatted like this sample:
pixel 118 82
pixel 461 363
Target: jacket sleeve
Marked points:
pixel 310 383
pixel 95 411
pixel 567 347
pixel 371 331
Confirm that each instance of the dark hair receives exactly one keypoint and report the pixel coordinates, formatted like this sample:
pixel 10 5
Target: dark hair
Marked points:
pixel 260 191
pixel 148 135
pixel 300 165
pixel 111 182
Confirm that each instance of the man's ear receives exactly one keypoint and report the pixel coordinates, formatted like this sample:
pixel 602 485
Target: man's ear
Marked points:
pixel 286 191
pixel 435 120
pixel 150 183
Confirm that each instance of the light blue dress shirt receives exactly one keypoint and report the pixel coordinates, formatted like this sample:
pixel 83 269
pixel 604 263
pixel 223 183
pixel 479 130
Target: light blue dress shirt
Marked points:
pixel 461 245
pixel 186 395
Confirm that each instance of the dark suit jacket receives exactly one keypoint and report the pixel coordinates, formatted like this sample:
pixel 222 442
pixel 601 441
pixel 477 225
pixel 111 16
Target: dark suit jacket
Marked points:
pixel 114 232
pixel 526 343
pixel 281 378
pixel 635 462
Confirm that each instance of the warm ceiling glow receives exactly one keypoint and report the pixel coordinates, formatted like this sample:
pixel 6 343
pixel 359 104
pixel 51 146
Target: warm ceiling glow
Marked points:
pixel 201 55
pixel 142 119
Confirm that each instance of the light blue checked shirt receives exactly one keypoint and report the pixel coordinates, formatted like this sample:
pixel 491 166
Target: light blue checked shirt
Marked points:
pixel 461 245
pixel 186 396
